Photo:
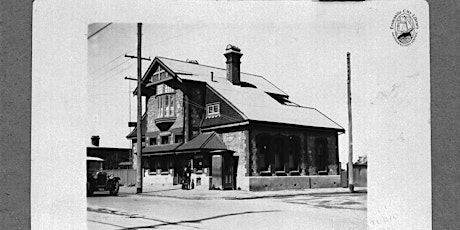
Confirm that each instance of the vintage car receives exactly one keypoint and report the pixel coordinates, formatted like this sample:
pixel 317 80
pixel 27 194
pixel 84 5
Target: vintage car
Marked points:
pixel 98 180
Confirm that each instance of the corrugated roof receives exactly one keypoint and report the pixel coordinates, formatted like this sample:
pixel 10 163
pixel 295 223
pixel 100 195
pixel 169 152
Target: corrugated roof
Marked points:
pixel 159 148
pixel 206 141
pixel 197 72
pixel 264 108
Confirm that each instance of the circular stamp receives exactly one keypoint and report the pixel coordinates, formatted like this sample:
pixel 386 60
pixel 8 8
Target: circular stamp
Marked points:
pixel 404 27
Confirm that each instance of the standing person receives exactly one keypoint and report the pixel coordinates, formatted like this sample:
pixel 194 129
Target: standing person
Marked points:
pixel 185 177
pixel 189 174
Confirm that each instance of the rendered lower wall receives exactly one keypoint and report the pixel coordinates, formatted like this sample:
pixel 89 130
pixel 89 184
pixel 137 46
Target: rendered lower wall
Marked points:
pixel 157 180
pixel 261 183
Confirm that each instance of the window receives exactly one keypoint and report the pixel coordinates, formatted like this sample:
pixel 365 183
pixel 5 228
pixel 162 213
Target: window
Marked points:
pixel 153 141
pixel 212 110
pixel 165 101
pixel 163 88
pixel 166 106
pixel 179 138
pixel 165 140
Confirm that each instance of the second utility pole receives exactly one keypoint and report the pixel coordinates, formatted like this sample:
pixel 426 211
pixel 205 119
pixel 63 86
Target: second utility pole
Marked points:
pixel 350 132
pixel 139 173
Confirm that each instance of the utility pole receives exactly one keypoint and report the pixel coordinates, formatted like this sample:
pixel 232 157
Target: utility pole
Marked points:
pixel 139 110
pixel 351 185
pixel 139 173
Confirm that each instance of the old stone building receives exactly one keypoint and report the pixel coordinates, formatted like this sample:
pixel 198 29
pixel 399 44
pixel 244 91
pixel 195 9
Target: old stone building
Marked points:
pixel 237 130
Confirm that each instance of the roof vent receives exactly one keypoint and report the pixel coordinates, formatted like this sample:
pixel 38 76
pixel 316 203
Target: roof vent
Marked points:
pixel 192 61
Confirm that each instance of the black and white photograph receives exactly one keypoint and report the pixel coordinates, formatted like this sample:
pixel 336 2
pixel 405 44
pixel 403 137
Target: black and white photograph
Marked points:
pixel 234 115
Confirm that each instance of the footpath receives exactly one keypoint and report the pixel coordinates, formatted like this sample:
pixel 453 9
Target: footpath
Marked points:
pixel 205 194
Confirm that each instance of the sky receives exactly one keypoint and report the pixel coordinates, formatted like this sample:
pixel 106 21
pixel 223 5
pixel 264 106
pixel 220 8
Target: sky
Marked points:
pixel 303 53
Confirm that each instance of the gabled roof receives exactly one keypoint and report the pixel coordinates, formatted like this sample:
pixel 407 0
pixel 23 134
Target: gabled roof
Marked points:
pixel 202 73
pixel 204 141
pixel 264 108
pixel 159 149
pixel 253 104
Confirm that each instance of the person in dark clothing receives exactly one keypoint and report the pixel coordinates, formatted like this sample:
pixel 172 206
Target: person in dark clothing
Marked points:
pixel 187 174
pixel 185 180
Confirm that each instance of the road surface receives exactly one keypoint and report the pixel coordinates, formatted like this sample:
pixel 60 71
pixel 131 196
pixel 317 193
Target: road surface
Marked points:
pixel 312 211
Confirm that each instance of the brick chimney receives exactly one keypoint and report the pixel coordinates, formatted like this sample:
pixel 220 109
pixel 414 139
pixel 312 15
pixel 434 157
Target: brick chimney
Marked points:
pixel 95 140
pixel 233 55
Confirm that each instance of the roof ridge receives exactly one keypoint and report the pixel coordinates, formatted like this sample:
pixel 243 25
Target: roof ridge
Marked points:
pixel 205 142
pixel 173 59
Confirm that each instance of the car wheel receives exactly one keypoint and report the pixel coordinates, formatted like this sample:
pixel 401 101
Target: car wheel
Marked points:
pixel 115 188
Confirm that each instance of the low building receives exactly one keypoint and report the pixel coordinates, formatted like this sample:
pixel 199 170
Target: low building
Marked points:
pixel 114 158
pixel 237 130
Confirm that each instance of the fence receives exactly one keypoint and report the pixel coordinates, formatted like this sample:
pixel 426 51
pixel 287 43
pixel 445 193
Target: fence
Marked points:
pixel 127 176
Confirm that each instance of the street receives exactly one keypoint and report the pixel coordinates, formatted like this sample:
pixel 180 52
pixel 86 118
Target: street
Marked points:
pixel 179 209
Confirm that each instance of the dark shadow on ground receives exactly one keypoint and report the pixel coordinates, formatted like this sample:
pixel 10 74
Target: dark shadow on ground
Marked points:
pixel 167 223
pixel 107 194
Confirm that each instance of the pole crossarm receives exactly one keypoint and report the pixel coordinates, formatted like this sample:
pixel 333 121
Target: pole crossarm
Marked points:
pixel 142 58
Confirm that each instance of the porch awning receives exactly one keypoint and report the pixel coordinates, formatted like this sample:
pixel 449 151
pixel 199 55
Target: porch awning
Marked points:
pixel 209 142
pixel 159 149
pixel 204 141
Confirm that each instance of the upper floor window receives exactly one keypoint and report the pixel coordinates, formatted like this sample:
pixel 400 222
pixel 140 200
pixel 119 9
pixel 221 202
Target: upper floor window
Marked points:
pixel 166 106
pixel 165 140
pixel 163 89
pixel 213 110
pixel 165 99
pixel 153 141
pixel 179 139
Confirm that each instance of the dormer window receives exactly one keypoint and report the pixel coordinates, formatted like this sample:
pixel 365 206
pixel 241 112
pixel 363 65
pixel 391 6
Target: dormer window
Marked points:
pixel 213 110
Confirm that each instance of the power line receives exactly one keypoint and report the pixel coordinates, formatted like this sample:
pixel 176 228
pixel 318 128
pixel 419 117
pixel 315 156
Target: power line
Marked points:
pixel 108 71
pixel 93 72
pixel 115 74
pixel 99 30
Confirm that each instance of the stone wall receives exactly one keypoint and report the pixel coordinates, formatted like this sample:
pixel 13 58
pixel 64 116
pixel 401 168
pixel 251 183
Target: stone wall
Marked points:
pixel 238 141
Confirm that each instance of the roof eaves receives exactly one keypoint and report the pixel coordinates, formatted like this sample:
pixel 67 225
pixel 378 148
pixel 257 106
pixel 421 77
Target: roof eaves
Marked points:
pixel 155 60
pixel 297 125
pixel 329 119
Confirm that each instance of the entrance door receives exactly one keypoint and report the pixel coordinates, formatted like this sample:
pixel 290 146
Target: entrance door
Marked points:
pixel 222 171
pixel 227 182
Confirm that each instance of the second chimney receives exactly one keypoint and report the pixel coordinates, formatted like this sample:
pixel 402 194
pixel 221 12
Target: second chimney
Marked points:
pixel 95 140
pixel 233 55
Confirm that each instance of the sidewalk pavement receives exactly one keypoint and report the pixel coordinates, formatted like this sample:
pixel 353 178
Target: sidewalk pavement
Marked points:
pixel 204 194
